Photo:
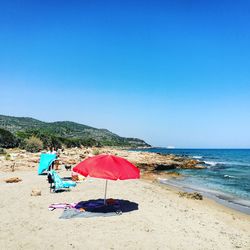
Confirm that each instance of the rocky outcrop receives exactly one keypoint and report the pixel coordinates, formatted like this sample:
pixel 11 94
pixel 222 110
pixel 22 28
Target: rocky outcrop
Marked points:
pixel 160 162
pixel 194 196
pixel 147 166
pixel 189 163
pixel 147 162
pixel 162 167
pixel 173 174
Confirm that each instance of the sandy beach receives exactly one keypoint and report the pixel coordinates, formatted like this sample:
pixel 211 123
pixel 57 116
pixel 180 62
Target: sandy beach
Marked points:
pixel 163 221
pixel 124 125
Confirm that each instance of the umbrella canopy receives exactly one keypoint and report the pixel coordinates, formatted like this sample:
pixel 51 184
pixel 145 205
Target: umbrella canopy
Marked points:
pixel 109 167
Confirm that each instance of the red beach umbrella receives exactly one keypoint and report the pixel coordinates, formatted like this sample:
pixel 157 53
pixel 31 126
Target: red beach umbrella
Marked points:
pixel 109 167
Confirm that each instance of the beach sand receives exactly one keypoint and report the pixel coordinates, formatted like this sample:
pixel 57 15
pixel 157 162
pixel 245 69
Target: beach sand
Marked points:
pixel 163 221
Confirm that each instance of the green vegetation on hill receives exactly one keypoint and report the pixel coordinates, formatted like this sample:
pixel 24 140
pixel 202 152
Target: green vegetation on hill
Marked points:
pixel 66 133
pixel 7 139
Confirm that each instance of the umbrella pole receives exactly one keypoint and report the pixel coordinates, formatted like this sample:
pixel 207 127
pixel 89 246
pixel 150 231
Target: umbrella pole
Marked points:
pixel 106 184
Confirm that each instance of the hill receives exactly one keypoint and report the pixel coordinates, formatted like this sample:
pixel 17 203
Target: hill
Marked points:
pixel 23 127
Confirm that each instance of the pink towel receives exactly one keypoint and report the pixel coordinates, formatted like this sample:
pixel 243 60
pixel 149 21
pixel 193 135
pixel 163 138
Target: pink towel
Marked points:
pixel 61 206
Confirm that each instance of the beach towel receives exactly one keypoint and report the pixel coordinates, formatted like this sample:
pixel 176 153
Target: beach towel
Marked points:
pixel 45 161
pixel 76 213
pixel 59 183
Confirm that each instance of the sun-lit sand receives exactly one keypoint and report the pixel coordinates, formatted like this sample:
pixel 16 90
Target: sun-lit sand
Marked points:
pixel 164 220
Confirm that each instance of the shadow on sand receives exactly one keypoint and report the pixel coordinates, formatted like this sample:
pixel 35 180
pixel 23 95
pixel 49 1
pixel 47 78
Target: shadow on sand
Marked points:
pixel 96 208
pixel 113 205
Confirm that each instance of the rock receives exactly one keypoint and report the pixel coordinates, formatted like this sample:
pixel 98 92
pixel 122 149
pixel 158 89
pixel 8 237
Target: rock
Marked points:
pixel 148 176
pixel 200 167
pixel 173 174
pixel 194 196
pixel 160 167
pixel 190 163
pixel 202 162
pixel 36 192
pixel 13 180
pixel 33 160
pixel 72 162
pixel 82 156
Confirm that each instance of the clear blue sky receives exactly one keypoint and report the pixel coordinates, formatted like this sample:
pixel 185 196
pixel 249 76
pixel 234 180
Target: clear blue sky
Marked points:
pixel 170 72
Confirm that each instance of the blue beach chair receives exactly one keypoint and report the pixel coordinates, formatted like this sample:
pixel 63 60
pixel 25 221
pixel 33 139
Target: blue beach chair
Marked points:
pixel 59 184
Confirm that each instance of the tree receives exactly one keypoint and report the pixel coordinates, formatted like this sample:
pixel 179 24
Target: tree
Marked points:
pixel 33 144
pixel 7 139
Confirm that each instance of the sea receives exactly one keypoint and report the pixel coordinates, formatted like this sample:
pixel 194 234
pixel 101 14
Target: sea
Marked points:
pixel 225 179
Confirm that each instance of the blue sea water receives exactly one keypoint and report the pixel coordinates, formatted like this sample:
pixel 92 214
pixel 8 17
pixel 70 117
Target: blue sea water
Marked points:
pixel 227 172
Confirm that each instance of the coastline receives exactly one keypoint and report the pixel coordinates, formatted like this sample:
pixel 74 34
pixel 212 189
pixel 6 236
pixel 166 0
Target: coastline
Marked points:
pixel 171 181
pixel 192 181
pixel 207 201
pixel 220 198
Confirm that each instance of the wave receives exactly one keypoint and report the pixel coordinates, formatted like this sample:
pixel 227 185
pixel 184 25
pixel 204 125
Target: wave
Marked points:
pixel 197 157
pixel 230 176
pixel 212 163
pixel 236 163
pixel 215 163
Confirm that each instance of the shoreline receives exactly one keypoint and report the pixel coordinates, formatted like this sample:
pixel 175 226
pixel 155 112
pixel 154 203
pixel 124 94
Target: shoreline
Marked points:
pixel 220 198
pixel 208 201
pixel 171 179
